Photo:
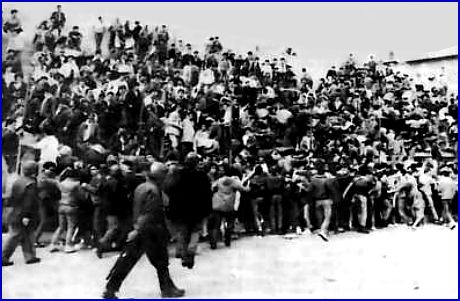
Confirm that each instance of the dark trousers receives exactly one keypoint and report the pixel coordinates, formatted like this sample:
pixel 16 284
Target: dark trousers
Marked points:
pixel 151 242
pixel 276 212
pixel 188 236
pixel 215 221
pixel 41 224
pixel 117 230
pixel 98 37
pixel 18 234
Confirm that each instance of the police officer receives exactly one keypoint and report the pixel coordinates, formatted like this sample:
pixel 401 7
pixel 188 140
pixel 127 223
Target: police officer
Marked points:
pixel 22 216
pixel 149 235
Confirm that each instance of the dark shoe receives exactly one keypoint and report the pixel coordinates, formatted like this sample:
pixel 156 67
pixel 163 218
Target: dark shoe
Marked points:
pixel 323 236
pixel 108 294
pixel 172 293
pixel 99 252
pixel 167 286
pixel 453 227
pixel 33 260
pixel 204 238
pixel 188 261
pixel 6 263
pixel 363 230
pixel 39 245
pixel 228 240
pixel 213 246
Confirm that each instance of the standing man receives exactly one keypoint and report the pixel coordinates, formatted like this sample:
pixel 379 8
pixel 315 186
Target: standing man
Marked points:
pixel 190 201
pixel 22 216
pixel 58 20
pixel 447 189
pixel 49 195
pixel 360 191
pixel 150 235
pixel 99 30
pixel 324 193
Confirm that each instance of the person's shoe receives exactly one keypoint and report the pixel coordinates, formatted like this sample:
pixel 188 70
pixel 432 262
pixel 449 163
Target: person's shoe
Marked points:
pixel 188 261
pixel 6 263
pixel 39 245
pixel 228 241
pixel 452 227
pixel 172 292
pixel 54 249
pixel 306 232
pixel 213 246
pixel 363 230
pixel 340 230
pixel 69 250
pixel 33 260
pixel 109 294
pixel 204 238
pixel 167 286
pixel 323 236
pixel 298 231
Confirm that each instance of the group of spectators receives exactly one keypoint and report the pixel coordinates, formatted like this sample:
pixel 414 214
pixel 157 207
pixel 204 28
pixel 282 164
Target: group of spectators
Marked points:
pixel 363 147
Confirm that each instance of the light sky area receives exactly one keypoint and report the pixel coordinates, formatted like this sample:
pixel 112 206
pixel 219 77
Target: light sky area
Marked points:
pixel 322 34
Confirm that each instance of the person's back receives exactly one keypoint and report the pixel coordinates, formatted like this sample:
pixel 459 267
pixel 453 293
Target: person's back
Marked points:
pixel 148 209
pixel 70 192
pixel 447 188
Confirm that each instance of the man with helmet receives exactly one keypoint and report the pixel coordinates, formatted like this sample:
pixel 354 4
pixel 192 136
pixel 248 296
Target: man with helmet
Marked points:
pixel 150 236
pixel 22 216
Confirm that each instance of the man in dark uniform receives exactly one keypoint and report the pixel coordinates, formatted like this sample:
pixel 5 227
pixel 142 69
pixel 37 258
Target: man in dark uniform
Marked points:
pixel 22 216
pixel 190 201
pixel 149 235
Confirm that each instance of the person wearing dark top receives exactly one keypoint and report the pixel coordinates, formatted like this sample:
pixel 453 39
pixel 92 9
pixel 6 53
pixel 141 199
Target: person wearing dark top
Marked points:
pixel 150 236
pixel 48 195
pixel 22 215
pixel 323 193
pixel 359 190
pixel 116 205
pixel 190 201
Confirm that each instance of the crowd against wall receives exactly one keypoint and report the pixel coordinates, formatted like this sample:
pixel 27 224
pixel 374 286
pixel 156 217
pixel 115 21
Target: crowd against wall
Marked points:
pixel 362 148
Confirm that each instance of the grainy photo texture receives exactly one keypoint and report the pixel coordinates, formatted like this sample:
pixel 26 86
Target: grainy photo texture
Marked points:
pixel 229 150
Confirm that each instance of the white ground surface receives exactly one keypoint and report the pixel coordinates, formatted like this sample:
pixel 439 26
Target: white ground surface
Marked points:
pixel 390 263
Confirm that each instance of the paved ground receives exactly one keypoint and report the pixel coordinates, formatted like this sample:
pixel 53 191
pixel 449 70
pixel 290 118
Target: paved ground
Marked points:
pixel 388 263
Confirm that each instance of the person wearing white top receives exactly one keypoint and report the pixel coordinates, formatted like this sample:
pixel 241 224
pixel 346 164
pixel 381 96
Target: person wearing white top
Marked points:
pixel 447 189
pixel 99 30
pixel 49 149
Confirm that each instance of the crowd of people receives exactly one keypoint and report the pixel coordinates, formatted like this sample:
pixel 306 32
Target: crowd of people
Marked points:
pixel 251 146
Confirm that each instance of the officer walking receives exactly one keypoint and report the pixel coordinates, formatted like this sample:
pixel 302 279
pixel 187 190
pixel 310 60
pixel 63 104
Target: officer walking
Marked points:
pixel 149 235
pixel 22 216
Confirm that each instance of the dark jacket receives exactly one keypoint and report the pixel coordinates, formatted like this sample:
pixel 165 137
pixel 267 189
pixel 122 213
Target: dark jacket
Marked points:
pixel 190 195
pixel 148 208
pixel 23 202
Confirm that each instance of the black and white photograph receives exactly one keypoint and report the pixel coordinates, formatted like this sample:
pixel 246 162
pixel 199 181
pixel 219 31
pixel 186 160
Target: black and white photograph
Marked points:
pixel 229 150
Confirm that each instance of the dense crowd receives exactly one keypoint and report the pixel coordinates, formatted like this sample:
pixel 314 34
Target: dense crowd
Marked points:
pixel 247 140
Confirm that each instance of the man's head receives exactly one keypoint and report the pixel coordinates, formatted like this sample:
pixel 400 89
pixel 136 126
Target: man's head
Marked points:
pixel 49 169
pixel 157 172
pixel 191 160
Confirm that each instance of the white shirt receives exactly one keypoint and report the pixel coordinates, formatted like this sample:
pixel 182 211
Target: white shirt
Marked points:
pixel 48 146
pixel 447 188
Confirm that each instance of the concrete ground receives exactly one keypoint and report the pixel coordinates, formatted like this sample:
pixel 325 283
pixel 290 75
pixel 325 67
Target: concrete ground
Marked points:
pixel 390 263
